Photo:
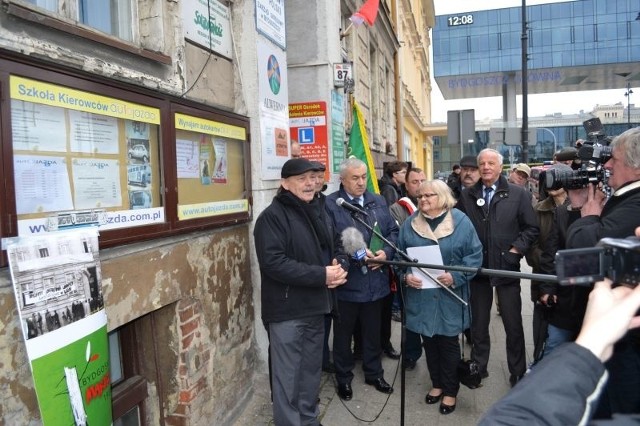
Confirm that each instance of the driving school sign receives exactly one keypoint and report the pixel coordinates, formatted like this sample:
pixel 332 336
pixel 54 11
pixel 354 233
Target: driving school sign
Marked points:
pixel 308 125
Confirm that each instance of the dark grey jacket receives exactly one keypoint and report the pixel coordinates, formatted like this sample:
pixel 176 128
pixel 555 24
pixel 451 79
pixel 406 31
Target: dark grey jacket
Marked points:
pixel 508 222
pixel 560 390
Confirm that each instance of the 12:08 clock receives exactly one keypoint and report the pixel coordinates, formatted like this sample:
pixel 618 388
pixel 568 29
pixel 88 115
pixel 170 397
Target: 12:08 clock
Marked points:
pixel 454 21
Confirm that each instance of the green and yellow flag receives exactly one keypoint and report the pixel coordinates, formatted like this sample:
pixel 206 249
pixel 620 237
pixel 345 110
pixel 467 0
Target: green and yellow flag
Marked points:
pixel 358 147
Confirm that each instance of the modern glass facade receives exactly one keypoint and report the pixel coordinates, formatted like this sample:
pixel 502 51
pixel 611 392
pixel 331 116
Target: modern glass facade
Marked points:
pixel 562 39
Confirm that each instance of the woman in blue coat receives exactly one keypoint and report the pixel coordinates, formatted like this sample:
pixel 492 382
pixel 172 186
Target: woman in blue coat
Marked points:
pixel 432 312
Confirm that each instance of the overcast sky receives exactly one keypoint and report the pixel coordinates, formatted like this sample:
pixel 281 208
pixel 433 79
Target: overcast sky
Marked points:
pixel 538 105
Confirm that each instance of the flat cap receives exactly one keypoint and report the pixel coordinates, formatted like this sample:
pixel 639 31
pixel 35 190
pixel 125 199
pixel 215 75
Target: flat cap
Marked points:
pixel 319 165
pixel 297 166
pixel 567 154
pixel 469 161
pixel 521 167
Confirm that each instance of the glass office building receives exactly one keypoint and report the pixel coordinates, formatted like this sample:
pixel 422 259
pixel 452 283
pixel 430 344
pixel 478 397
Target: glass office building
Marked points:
pixel 574 45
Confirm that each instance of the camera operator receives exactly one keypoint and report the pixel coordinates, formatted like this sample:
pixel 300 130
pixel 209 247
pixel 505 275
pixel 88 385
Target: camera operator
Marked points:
pixel 615 218
pixel 564 387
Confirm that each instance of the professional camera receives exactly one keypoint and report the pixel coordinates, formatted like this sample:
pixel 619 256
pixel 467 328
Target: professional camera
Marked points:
pixel 591 156
pixel 615 258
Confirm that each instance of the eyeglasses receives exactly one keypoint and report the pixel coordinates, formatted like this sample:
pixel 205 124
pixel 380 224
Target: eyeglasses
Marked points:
pixel 401 172
pixel 421 196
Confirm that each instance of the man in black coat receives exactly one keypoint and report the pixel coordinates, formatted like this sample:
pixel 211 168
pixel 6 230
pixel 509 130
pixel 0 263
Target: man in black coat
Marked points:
pixel 507 226
pixel 616 217
pixel 295 249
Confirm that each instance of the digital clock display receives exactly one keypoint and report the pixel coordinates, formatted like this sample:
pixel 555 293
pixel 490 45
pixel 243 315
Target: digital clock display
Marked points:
pixel 455 21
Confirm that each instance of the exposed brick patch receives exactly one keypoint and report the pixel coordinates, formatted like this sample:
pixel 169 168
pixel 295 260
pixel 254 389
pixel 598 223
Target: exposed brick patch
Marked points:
pixel 193 361
pixel 186 313
pixel 190 326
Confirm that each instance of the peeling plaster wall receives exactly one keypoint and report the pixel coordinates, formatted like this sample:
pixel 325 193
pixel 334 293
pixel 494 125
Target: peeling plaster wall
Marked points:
pixel 193 73
pixel 191 298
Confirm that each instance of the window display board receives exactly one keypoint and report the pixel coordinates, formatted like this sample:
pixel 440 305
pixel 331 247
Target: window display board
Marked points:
pixel 210 167
pixel 80 157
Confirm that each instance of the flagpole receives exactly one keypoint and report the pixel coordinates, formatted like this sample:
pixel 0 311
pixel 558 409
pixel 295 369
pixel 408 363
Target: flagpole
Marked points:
pixel 345 33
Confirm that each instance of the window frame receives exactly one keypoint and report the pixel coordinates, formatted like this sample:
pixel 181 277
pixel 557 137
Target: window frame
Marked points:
pixel 12 64
pixel 40 16
pixel 131 391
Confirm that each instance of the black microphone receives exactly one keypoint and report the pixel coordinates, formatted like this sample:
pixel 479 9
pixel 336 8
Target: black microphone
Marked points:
pixel 354 245
pixel 342 203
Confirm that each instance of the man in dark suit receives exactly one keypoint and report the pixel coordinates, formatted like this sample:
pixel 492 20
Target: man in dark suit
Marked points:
pixel 507 226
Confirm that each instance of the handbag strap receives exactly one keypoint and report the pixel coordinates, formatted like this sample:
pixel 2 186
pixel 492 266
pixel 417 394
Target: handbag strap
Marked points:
pixel 469 310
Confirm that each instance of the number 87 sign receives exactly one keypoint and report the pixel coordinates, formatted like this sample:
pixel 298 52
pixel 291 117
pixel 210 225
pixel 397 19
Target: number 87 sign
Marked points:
pixel 341 72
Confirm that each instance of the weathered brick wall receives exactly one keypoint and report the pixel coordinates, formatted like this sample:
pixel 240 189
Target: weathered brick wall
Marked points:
pixel 192 299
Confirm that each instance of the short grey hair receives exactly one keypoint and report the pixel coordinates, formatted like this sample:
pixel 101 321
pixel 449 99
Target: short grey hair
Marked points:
pixel 446 200
pixel 491 150
pixel 351 163
pixel 629 145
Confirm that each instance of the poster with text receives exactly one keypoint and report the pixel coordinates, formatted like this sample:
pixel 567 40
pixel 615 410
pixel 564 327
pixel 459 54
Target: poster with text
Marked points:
pixel 57 283
pixel 274 108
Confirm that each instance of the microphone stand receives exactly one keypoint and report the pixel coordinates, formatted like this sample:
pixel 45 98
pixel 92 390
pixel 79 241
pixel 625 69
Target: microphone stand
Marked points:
pixel 477 271
pixel 403 328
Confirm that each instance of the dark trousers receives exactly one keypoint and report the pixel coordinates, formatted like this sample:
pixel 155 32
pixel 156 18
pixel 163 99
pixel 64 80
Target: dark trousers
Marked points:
pixel 368 314
pixel 385 321
pixel 443 355
pixel 511 313
pixel 296 369
pixel 622 392
pixel 412 345
pixel 326 356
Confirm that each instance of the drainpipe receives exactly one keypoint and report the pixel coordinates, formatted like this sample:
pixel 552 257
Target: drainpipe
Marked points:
pixel 398 90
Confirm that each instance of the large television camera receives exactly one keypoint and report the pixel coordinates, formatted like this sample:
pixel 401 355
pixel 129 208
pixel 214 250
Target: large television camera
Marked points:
pixel 615 258
pixel 590 159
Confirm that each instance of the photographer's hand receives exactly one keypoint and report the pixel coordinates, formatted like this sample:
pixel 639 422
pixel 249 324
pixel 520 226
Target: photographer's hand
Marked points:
pixel 548 299
pixel 595 201
pixel 610 313
pixel 578 197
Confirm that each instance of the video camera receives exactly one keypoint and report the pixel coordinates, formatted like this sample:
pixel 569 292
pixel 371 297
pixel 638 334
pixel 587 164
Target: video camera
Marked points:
pixel 615 258
pixel 591 156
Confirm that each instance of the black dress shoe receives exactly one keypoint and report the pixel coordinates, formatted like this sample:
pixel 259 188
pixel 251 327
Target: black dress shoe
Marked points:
pixel 380 384
pixel 447 409
pixel 392 353
pixel 430 399
pixel 513 379
pixel 409 364
pixel 345 392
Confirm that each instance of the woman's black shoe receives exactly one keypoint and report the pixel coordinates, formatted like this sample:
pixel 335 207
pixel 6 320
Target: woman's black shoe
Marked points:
pixel 447 409
pixel 430 399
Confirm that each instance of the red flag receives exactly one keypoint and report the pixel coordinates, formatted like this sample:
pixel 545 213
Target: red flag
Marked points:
pixel 368 12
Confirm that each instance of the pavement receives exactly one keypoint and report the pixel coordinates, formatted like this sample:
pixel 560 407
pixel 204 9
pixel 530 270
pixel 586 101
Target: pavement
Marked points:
pixel 371 407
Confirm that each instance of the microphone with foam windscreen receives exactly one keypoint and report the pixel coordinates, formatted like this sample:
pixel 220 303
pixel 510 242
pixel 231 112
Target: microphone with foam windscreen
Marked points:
pixel 342 203
pixel 354 245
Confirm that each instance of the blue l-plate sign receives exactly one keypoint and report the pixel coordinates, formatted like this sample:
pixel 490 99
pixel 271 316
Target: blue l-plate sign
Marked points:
pixel 306 135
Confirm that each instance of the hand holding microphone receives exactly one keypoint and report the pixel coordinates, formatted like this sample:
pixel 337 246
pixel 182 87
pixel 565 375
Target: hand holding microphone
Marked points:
pixel 354 245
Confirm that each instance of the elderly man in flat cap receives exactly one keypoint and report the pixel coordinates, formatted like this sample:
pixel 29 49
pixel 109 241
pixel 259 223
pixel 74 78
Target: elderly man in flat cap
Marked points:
pixel 295 249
